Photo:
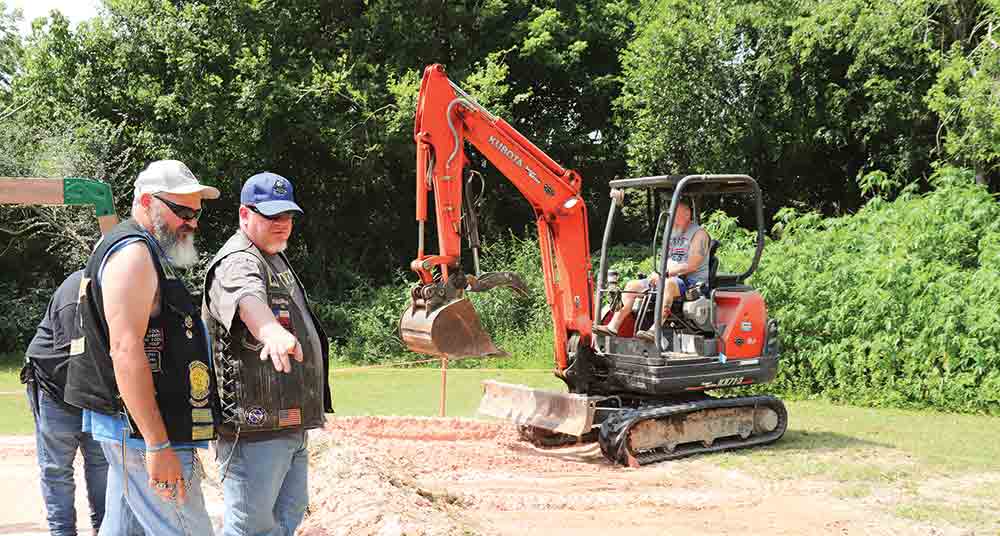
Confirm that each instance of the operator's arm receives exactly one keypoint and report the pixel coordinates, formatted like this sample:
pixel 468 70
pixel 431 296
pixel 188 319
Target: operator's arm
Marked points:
pixel 129 285
pixel 696 255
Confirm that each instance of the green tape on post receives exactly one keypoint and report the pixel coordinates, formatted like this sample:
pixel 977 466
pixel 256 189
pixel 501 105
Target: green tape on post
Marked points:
pixel 80 191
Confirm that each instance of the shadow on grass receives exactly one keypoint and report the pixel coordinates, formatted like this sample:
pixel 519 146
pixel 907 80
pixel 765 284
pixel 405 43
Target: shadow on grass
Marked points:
pixel 803 442
pixel 798 440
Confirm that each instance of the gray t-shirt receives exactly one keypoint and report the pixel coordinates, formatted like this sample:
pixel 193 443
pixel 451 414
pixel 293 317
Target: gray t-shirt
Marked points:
pixel 239 276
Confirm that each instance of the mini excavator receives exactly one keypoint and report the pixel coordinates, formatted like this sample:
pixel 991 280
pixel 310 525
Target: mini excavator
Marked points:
pixel 644 401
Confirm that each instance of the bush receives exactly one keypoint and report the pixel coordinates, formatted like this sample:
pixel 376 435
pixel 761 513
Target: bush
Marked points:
pixel 895 305
pixel 20 315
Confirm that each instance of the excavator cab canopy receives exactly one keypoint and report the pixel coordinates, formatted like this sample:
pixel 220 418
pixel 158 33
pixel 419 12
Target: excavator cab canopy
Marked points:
pixel 679 186
pixel 695 186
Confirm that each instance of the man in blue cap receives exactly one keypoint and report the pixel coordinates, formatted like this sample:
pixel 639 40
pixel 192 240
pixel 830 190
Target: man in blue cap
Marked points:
pixel 271 357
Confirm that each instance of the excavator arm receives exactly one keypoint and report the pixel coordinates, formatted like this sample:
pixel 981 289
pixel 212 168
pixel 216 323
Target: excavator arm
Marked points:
pixel 441 320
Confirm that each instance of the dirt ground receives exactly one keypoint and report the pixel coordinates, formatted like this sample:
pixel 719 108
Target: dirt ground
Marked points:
pixel 420 476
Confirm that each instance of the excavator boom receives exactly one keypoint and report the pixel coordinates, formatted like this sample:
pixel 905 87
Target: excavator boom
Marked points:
pixel 440 319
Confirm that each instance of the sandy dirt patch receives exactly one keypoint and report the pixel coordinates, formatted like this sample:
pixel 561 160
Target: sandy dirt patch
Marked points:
pixel 422 476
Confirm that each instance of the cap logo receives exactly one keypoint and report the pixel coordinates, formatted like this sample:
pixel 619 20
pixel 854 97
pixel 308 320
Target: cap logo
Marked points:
pixel 280 188
pixel 186 173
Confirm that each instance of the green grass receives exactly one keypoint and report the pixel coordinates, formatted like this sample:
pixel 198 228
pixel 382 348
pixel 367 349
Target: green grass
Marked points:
pixel 864 451
pixel 417 391
pixel 824 439
pixel 15 417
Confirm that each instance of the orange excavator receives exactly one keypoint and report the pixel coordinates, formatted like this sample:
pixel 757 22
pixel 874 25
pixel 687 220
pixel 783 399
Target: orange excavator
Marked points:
pixel 644 401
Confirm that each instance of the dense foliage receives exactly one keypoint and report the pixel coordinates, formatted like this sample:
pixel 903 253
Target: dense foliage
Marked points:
pixel 895 305
pixel 836 106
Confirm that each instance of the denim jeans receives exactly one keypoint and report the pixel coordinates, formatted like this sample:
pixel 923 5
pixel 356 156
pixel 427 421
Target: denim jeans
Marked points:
pixel 141 509
pixel 265 487
pixel 57 436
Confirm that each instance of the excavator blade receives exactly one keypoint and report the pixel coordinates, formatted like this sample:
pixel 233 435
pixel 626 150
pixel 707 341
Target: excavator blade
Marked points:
pixel 559 412
pixel 452 330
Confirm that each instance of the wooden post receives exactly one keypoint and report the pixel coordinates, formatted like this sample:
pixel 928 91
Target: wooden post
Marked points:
pixel 444 384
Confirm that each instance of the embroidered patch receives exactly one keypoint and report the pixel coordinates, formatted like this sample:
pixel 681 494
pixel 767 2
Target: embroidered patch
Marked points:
pixel 280 188
pixel 249 342
pixel 289 417
pixel 153 344
pixel 284 318
pixel 202 431
pixel 202 415
pixel 256 415
pixel 200 381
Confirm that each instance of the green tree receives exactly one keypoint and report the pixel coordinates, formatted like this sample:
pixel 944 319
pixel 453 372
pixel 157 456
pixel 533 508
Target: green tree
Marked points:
pixel 322 92
pixel 965 93
pixel 10 48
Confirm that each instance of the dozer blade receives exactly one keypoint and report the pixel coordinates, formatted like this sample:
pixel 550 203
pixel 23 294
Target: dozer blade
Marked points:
pixel 559 412
pixel 452 330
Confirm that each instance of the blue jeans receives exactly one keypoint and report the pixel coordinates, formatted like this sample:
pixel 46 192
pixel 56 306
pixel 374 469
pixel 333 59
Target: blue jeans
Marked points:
pixel 265 487
pixel 57 436
pixel 141 509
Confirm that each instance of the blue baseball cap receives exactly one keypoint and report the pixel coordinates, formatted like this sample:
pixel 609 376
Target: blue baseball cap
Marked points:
pixel 269 193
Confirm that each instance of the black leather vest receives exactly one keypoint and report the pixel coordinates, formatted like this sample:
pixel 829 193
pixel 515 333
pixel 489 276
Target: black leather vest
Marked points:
pixel 254 396
pixel 175 345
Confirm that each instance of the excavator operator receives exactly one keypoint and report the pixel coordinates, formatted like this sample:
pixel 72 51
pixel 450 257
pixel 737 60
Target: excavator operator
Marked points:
pixel 687 266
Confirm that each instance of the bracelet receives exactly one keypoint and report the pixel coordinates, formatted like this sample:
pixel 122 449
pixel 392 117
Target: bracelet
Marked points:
pixel 157 448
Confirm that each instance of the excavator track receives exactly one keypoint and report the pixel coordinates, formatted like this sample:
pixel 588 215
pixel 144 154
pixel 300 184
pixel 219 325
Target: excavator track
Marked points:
pixel 651 434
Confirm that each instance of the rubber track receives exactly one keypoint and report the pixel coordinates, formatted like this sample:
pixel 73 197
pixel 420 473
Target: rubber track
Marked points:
pixel 614 431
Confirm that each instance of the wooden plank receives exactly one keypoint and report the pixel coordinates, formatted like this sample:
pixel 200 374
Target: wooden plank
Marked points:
pixel 31 191
pixel 106 223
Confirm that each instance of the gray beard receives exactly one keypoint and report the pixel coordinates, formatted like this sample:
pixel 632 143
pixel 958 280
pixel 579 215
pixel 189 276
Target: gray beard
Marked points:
pixel 181 250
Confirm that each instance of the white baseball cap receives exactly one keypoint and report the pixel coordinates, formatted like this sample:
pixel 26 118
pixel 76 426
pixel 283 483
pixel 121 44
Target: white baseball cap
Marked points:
pixel 172 177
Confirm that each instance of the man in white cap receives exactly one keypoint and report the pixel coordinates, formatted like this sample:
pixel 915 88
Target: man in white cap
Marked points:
pixel 141 368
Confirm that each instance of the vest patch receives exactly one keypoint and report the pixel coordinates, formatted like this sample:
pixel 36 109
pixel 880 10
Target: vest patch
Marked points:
pixel 200 382
pixel 78 346
pixel 202 432
pixel 256 415
pixel 201 415
pixel 154 343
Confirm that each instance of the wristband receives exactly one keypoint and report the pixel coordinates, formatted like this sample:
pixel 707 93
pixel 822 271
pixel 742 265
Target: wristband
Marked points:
pixel 157 448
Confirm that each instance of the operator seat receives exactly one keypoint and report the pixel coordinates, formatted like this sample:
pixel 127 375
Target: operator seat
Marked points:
pixel 713 263
pixel 644 307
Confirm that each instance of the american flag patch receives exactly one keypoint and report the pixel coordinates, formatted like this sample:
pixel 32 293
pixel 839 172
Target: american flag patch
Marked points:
pixel 284 318
pixel 289 417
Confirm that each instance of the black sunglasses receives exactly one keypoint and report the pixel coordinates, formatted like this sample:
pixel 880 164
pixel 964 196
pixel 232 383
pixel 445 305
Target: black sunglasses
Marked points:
pixel 277 216
pixel 181 211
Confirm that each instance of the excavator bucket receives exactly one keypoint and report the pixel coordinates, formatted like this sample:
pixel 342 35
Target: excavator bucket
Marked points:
pixel 558 412
pixel 452 330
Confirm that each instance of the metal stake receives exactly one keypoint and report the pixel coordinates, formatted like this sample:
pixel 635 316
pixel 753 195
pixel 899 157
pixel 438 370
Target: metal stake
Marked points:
pixel 444 384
